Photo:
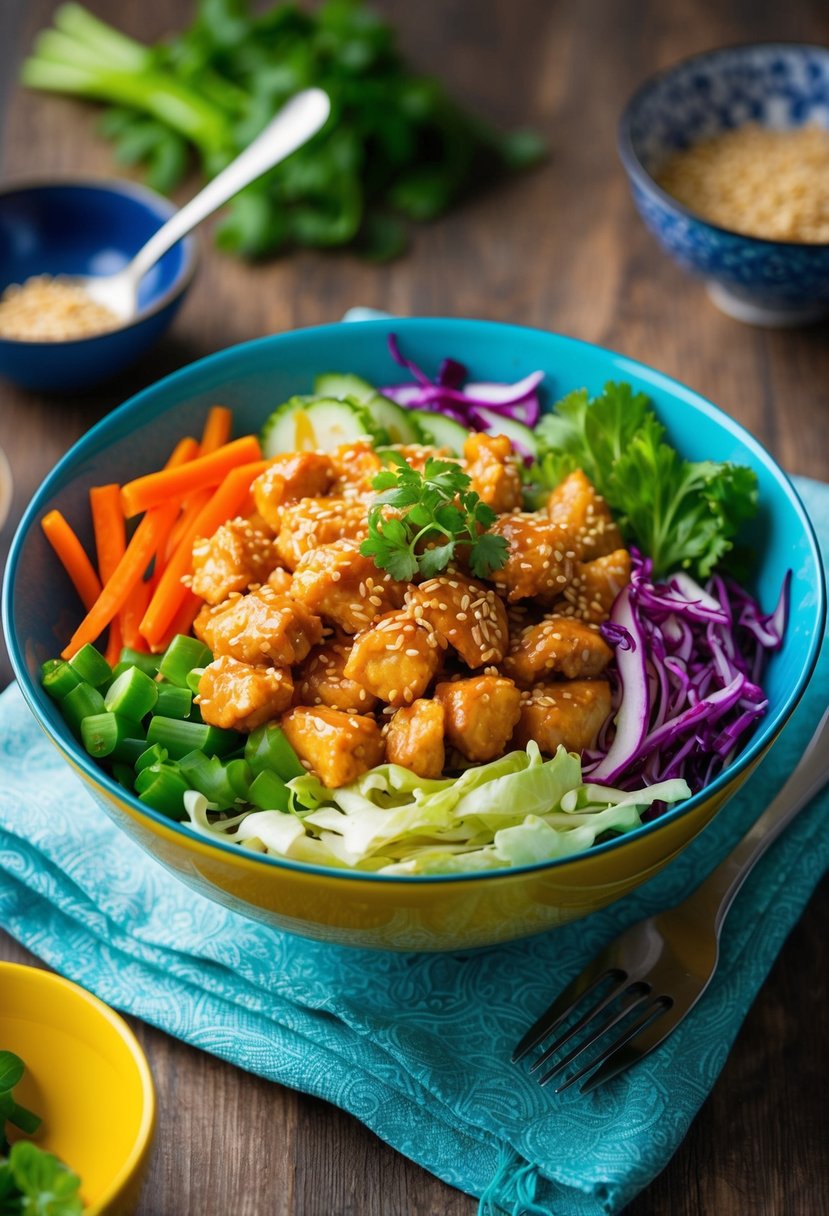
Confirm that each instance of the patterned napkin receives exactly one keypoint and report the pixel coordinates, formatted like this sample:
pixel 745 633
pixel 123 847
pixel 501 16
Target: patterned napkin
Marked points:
pixel 416 1046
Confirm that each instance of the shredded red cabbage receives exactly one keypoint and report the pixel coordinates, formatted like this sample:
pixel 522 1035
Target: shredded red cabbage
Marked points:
pixel 688 661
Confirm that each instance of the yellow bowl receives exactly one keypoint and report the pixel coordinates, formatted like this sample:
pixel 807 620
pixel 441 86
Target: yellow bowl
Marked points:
pixel 87 1078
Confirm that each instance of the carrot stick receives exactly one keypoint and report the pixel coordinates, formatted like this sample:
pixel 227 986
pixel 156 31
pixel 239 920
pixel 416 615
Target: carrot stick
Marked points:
pixel 217 428
pixel 192 505
pixel 110 543
pixel 156 488
pixel 72 556
pixel 170 592
pixel 182 622
pixel 132 612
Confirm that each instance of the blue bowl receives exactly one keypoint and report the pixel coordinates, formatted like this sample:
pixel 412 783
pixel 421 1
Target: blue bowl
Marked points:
pixel 40 610
pixel 778 85
pixel 92 227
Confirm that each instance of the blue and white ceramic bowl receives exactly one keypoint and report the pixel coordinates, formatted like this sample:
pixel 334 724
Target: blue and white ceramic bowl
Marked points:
pixel 778 85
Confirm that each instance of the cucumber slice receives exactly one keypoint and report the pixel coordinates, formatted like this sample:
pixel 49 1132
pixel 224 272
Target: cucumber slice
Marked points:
pixel 398 425
pixel 314 424
pixel 344 384
pixel 443 432
pixel 521 437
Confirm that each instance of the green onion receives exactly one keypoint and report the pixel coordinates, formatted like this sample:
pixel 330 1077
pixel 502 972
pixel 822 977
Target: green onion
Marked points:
pixel 91 666
pixel 194 678
pixel 240 775
pixel 60 680
pixel 207 775
pixel 269 793
pixel 104 734
pixel 173 702
pixel 148 663
pixel 181 656
pixel 48 666
pixel 267 749
pixel 124 775
pixel 163 789
pixel 155 754
pixel 133 694
pixel 79 703
pixel 182 737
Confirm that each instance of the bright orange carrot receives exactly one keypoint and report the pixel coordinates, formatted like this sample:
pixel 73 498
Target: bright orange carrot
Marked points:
pixel 73 557
pixel 156 488
pixel 110 543
pixel 182 622
pixel 132 612
pixel 171 592
pixel 217 428
pixel 191 507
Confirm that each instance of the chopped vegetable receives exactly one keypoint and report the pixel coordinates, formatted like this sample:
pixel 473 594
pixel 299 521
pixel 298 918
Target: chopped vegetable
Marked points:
pixel 156 488
pixel 110 543
pixel 72 556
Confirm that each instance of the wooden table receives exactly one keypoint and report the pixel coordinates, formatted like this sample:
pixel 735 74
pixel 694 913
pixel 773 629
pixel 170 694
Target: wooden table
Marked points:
pixel 562 249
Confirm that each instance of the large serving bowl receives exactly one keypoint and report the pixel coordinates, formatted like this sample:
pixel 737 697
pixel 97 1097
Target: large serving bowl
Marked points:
pixel 414 913
pixel 776 85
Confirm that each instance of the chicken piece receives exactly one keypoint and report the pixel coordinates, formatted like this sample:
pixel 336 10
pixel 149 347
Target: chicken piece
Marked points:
pixel 540 559
pixel 467 615
pixel 236 696
pixel 416 454
pixel 280 580
pixel 337 747
pixel 263 627
pixel 236 555
pixel 568 714
pixel 481 713
pixel 338 583
pixel 559 644
pixel 414 738
pixel 288 478
pixel 395 659
pixel 490 462
pixel 319 521
pixel 355 467
pixel 595 585
pixel 577 506
pixel 322 681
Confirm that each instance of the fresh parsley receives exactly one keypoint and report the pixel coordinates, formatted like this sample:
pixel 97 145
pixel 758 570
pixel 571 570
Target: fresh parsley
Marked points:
pixel 419 522
pixel 32 1181
pixel 683 514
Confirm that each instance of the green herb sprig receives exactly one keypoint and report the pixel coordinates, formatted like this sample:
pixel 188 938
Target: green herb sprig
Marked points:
pixel 435 514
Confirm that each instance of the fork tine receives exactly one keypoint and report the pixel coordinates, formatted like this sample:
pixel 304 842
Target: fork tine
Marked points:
pixel 595 1008
pixel 584 983
pixel 627 1054
pixel 653 1012
pixel 631 998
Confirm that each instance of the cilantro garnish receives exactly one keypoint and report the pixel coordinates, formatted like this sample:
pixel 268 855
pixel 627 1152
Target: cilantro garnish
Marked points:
pixel 32 1181
pixel 432 514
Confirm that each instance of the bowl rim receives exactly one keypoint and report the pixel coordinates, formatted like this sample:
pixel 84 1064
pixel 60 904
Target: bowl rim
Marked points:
pixel 154 202
pixel 67 745
pixel 97 1008
pixel 636 169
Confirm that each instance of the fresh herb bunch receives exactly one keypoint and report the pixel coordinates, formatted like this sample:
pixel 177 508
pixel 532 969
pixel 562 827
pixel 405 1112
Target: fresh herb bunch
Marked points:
pixel 32 1181
pixel 683 514
pixel 437 509
pixel 396 147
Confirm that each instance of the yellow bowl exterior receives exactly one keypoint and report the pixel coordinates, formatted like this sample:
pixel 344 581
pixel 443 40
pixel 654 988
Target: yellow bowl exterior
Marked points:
pixel 87 1078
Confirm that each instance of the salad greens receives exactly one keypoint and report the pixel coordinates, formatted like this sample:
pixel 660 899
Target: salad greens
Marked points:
pixel 32 1181
pixel 683 514
pixel 396 148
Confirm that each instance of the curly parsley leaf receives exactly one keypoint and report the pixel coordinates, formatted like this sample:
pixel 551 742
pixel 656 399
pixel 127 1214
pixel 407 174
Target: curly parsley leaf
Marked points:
pixel 418 520
pixel 46 1187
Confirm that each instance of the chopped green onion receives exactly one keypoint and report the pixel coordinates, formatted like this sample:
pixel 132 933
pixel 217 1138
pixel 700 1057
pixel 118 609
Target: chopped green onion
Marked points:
pixel 181 656
pixel 207 775
pixel 240 775
pixel 148 663
pixel 91 666
pixel 163 789
pixel 193 678
pixel 269 793
pixel 104 734
pixel 173 702
pixel 267 749
pixel 155 754
pixel 81 702
pixel 132 694
pixel 124 775
pixel 60 680
pixel 48 666
pixel 182 737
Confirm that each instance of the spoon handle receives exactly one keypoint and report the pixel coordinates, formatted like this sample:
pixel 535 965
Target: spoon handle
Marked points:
pixel 296 122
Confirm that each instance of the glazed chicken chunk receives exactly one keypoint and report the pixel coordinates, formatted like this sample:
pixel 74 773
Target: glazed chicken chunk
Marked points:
pixel 289 478
pixel 595 585
pixel 318 521
pixel 263 627
pixel 239 553
pixel 481 713
pixel 355 467
pixel 414 738
pixel 577 505
pixel 465 615
pixel 337 747
pixel 395 659
pixel 540 561
pixel 490 463
pixel 568 714
pixel 557 645
pixel 322 681
pixel 237 696
pixel 340 584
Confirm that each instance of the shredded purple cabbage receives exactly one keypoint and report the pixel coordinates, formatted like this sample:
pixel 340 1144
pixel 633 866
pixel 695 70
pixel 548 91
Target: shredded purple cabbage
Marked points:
pixel 686 677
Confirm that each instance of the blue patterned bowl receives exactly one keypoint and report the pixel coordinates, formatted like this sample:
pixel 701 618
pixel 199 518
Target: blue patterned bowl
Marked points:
pixel 778 85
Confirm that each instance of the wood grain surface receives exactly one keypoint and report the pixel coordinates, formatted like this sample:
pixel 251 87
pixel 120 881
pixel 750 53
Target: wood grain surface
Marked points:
pixel 562 249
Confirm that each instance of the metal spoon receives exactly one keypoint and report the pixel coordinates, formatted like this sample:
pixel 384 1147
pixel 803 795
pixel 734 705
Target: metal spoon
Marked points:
pixel 296 122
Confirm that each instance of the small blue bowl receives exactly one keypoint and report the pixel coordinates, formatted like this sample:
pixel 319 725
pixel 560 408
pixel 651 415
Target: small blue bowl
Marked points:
pixel 87 227
pixel 777 85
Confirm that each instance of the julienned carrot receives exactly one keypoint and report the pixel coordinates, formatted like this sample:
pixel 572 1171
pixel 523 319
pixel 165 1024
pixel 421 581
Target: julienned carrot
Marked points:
pixel 72 556
pixel 171 592
pixel 156 488
pixel 132 612
pixel 182 622
pixel 190 509
pixel 110 543
pixel 217 428
pixel 186 449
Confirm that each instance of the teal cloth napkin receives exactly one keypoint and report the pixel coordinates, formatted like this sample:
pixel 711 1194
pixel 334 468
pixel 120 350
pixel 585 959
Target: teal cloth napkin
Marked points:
pixel 416 1046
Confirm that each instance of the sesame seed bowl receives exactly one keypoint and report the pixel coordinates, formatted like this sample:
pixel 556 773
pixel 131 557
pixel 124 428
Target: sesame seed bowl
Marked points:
pixel 778 279
pixel 361 908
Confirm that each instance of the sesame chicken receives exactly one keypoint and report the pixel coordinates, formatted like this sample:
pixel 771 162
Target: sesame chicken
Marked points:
pixel 355 467
pixel 577 506
pixel 416 454
pixel 568 714
pixel 595 585
pixel 322 681
pixel 395 659
pixel 557 645
pixel 465 614
pixel 490 463
pixel 237 696
pixel 481 713
pixel 236 555
pixel 263 627
pixel 540 561
pixel 280 580
pixel 319 521
pixel 414 738
pixel 337 747
pixel 289 478
pixel 341 585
